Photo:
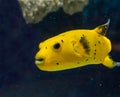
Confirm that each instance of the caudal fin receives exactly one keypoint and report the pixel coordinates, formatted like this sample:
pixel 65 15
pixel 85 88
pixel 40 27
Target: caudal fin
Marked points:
pixel 117 64
pixel 108 62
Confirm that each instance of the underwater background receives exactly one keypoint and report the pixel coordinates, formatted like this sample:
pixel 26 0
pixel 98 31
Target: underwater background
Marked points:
pixel 19 77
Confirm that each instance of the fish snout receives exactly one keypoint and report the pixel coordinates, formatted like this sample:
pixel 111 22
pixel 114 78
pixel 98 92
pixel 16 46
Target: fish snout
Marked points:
pixel 39 61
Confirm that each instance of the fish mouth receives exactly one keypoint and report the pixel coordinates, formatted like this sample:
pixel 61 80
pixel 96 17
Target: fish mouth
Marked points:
pixel 39 61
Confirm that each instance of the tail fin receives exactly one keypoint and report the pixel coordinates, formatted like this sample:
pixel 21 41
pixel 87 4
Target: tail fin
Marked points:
pixel 108 62
pixel 117 64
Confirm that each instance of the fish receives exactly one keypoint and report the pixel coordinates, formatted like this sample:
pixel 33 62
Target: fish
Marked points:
pixel 75 49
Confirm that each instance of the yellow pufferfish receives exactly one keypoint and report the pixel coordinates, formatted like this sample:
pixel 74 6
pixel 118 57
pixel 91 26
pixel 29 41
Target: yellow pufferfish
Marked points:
pixel 75 48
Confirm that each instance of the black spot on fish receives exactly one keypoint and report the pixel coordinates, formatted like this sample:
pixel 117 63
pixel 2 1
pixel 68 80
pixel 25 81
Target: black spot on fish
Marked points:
pixel 62 41
pixel 94 53
pixel 99 42
pixel 83 35
pixel 86 60
pixel 85 44
pixel 95 44
pixel 57 63
pixel 95 50
pixel 46 47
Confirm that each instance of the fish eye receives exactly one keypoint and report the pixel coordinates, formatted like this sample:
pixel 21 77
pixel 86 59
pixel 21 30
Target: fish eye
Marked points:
pixel 56 46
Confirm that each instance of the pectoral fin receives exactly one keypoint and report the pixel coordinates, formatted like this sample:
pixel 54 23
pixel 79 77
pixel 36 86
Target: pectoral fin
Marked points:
pixel 80 49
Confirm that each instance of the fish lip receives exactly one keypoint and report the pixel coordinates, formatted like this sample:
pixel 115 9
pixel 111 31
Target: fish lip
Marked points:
pixel 38 62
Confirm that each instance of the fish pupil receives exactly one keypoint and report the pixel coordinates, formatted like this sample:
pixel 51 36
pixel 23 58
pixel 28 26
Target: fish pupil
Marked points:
pixel 57 46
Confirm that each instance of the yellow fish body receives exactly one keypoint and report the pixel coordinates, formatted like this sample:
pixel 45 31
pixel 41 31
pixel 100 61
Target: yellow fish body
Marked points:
pixel 75 48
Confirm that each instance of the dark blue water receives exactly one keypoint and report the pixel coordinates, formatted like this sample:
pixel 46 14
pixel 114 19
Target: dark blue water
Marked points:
pixel 19 41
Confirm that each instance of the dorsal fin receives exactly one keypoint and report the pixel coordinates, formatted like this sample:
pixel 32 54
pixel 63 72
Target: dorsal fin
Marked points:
pixel 102 29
